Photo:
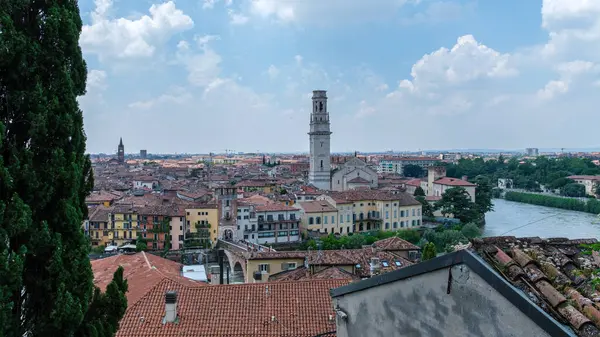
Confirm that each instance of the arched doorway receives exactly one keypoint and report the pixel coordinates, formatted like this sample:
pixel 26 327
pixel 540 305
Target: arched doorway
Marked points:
pixel 238 273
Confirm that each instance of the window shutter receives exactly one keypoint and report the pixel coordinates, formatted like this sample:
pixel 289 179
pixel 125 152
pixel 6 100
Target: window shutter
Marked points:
pixel 268 269
pixel 284 266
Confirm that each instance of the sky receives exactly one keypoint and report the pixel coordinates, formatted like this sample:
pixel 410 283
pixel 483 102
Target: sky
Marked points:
pixel 199 76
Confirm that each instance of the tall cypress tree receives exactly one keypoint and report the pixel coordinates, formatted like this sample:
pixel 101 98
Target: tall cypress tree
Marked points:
pixel 46 282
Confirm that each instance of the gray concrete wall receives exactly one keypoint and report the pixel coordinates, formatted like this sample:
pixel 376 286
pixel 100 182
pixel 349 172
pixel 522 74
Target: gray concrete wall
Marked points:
pixel 421 307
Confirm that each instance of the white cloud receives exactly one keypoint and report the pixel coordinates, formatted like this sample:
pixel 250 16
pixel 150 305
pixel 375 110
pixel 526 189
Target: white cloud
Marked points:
pixel 466 61
pixel 440 11
pixel 124 38
pixel 96 79
pixel 318 12
pixel 175 96
pixel 552 89
pixel 237 18
pixel 272 71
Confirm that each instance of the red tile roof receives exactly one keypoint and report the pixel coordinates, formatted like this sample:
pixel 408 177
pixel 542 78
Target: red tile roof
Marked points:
pixel 142 271
pixel 583 177
pixel 404 199
pixel 300 308
pixel 453 182
pixel 331 273
pixel 358 180
pixel 317 206
pixel 394 243
pixel 555 273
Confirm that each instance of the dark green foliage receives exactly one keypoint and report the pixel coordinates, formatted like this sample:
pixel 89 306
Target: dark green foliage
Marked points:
pixel 559 183
pixel 357 240
pixel 106 309
pixel 414 171
pixel 573 190
pixel 496 192
pixel 419 192
pixel 427 209
pixel 445 239
pixel 46 286
pixel 483 195
pixel 589 206
pixel 429 251
pixel 471 231
pixel 529 175
pixel 456 201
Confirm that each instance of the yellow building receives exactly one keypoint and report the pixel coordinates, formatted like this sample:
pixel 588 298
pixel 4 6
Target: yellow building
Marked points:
pixel 125 221
pixel 370 210
pixel 320 216
pixel 269 263
pixel 200 218
pixel 100 227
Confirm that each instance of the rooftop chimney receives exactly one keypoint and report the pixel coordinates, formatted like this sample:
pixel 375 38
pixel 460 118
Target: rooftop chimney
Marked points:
pixel 170 307
pixel 374 266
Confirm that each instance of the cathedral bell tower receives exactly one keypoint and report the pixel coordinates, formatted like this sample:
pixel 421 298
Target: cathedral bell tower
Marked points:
pixel 320 136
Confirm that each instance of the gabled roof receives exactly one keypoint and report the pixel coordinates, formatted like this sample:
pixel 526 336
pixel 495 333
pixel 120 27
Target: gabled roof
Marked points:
pixel 477 265
pixel 359 180
pixel 453 182
pixel 394 244
pixel 142 271
pixel 299 308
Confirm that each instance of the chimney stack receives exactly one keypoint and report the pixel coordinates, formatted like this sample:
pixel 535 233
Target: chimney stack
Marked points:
pixel 374 266
pixel 170 307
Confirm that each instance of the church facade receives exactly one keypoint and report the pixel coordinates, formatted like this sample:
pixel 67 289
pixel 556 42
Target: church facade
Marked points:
pixel 354 173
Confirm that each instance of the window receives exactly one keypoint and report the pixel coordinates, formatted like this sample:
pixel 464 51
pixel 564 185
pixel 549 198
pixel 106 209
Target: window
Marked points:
pixel 180 237
pixel 402 214
pixel 282 233
pixel 263 267
pixel 292 233
pixel 413 211
pixel 341 218
pixel 387 214
pixel 347 217
pixel 395 224
pixel 318 220
pixel 321 163
pixel 385 264
pixel 398 263
pixel 325 220
pixel 395 213
pixel 387 225
pixel 332 219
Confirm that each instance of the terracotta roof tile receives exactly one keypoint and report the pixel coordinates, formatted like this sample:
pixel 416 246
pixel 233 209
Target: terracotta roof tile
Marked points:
pixel 549 270
pixel 404 199
pixel 395 243
pixel 317 206
pixel 298 274
pixel 453 182
pixel 142 271
pixel 299 308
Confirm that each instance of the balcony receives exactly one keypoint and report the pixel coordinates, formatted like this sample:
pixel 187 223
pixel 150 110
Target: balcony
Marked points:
pixel 368 217
pixel 273 220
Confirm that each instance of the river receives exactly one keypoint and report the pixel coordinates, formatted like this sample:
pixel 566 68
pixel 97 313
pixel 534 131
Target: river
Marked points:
pixel 540 221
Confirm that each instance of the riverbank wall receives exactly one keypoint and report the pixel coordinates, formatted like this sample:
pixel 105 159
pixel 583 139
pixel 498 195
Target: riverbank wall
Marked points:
pixel 589 206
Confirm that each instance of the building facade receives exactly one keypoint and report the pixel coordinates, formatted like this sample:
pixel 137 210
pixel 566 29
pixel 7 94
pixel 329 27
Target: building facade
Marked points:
pixel 320 137
pixel 395 164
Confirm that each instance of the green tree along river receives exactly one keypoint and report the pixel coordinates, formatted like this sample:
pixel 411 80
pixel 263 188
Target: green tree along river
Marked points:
pixel 522 220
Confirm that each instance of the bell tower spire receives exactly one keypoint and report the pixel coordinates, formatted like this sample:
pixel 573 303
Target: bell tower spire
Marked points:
pixel 320 147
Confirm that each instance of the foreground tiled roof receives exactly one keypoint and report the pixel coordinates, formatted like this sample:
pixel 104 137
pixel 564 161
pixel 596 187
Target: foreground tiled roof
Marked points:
pixel 395 243
pixel 555 273
pixel 298 274
pixel 142 271
pixel 300 308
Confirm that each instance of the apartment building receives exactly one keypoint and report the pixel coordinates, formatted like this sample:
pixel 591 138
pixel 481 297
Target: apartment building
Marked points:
pixel 368 210
pixel 268 222
pixel 395 164
pixel 201 223
pixel 321 217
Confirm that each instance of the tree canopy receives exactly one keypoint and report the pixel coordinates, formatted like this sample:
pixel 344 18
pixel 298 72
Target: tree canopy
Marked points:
pixel 414 171
pixel 457 202
pixel 46 281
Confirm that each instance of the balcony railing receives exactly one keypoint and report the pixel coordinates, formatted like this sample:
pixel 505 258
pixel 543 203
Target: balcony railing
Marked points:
pixel 273 220
pixel 369 217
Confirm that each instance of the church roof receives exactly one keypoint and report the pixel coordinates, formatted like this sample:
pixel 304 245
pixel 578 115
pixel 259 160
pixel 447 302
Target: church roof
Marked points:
pixel 359 180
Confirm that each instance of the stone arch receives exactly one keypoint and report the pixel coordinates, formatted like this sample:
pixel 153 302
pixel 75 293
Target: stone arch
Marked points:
pixel 238 273
pixel 236 260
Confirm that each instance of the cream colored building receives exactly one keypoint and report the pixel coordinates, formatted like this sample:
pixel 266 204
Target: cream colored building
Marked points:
pixel 320 216
pixel 590 183
pixel 370 210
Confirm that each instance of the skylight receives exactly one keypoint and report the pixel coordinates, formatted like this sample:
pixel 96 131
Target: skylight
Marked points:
pixel 398 263
pixel 385 264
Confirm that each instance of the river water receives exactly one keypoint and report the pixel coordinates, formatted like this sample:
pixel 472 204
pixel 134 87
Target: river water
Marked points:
pixel 522 220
